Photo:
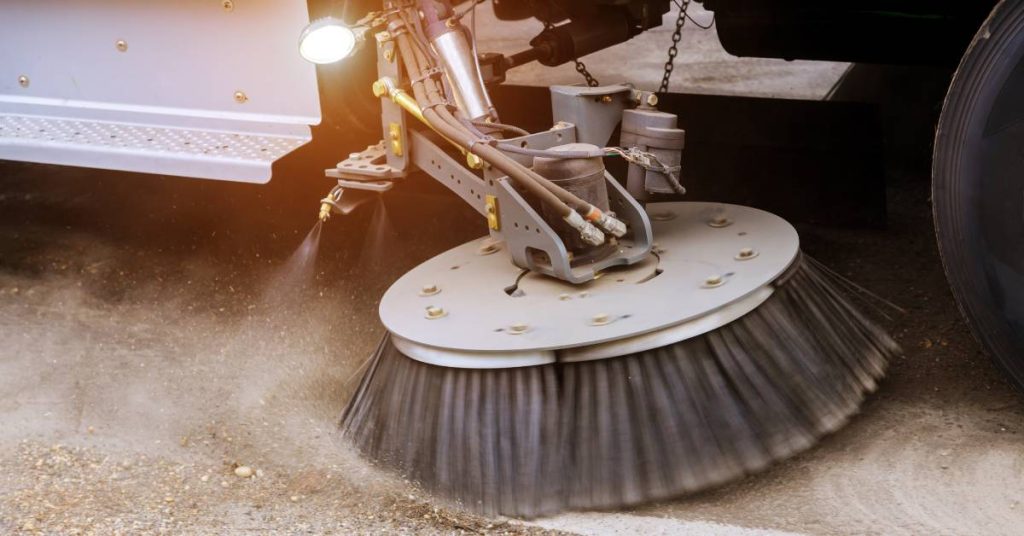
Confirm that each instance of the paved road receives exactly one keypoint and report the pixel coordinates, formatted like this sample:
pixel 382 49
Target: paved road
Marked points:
pixel 702 66
pixel 155 335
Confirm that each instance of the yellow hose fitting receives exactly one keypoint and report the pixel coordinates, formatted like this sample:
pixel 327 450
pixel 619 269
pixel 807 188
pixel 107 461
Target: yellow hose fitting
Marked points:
pixel 606 222
pixel 408 103
pixel 385 87
pixel 474 161
pixel 327 204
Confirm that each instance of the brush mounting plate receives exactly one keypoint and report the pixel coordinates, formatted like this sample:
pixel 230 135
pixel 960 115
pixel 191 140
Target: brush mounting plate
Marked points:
pixel 470 308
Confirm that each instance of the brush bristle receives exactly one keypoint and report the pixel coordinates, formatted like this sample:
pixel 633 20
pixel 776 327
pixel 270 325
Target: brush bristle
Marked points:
pixel 625 430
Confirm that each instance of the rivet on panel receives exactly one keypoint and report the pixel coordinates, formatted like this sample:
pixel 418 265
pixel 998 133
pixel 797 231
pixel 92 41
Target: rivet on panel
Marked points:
pixel 746 254
pixel 487 249
pixel 433 313
pixel 600 319
pixel 228 5
pixel 121 45
pixel 714 281
pixel 429 290
pixel 241 97
pixel 23 81
pixel 720 221
pixel 518 329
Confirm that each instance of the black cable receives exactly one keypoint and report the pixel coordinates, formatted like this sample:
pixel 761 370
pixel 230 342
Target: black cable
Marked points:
pixel 697 24
pixel 679 5
pixel 467 11
pixel 503 127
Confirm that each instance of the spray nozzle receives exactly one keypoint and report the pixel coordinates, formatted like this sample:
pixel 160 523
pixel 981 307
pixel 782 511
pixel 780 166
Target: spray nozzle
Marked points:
pixel 330 203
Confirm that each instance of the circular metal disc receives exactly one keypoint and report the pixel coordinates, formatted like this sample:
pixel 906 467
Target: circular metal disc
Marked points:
pixel 707 257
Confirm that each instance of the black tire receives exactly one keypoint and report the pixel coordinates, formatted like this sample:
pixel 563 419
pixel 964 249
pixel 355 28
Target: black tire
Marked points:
pixel 978 186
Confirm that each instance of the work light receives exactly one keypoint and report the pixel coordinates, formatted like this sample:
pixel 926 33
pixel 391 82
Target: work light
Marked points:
pixel 328 40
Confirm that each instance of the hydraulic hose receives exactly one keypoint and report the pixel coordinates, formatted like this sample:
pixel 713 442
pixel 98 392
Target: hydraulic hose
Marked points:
pixel 546 153
pixel 426 93
pixel 503 127
pixel 519 173
pixel 436 112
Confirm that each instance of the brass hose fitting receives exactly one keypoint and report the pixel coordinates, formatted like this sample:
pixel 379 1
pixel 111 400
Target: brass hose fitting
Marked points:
pixel 385 87
pixel 325 212
pixel 606 222
pixel 327 204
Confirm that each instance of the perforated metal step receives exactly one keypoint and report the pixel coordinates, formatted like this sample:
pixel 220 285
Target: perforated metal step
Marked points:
pixel 149 149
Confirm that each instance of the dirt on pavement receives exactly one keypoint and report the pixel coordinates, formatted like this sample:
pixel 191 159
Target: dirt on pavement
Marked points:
pixel 155 338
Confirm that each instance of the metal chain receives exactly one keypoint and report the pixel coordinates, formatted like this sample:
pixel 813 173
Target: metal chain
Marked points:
pixel 582 69
pixel 580 66
pixel 673 50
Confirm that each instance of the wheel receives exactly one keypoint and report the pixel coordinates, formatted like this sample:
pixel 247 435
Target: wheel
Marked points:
pixel 978 186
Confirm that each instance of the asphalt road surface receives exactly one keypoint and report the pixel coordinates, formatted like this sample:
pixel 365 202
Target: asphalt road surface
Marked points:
pixel 158 339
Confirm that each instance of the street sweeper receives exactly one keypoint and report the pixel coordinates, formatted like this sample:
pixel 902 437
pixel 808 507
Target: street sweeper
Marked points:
pixel 598 348
pixel 607 342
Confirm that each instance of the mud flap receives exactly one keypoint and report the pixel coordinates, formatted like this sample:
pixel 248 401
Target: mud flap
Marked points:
pixel 211 89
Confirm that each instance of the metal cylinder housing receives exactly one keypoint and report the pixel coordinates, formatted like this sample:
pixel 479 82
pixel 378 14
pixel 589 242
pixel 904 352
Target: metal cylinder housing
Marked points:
pixel 582 177
pixel 455 51
pixel 657 133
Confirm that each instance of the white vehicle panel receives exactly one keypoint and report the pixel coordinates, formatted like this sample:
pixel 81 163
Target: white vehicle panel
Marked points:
pixel 202 88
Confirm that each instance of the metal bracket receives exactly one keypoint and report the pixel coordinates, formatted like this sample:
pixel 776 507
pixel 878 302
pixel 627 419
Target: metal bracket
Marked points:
pixel 370 164
pixel 393 119
pixel 450 172
pixel 388 159
pixel 366 186
pixel 531 242
pixel 595 111
pixel 534 245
